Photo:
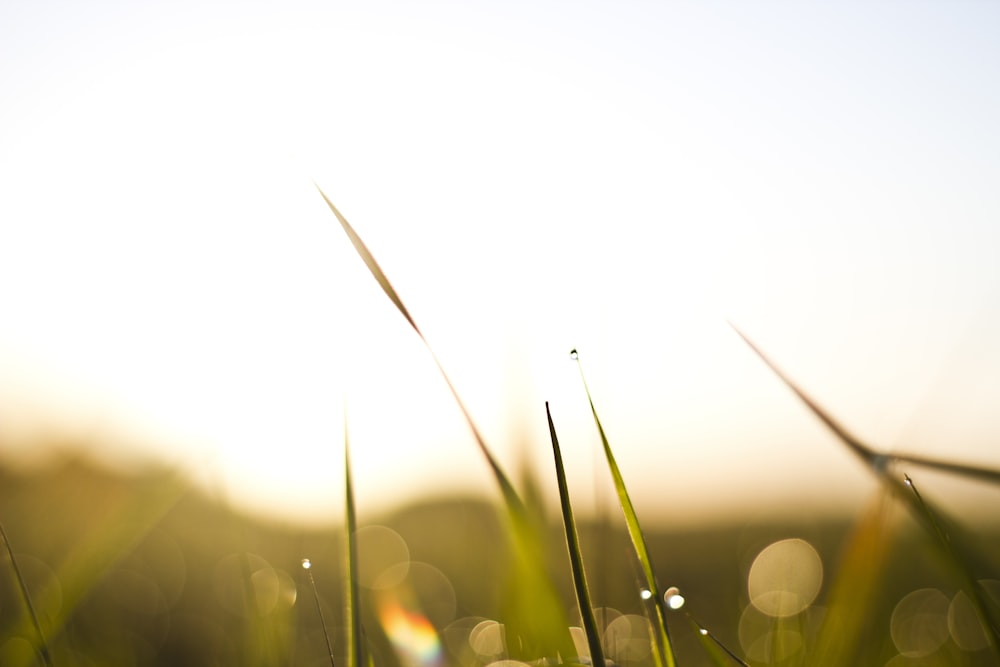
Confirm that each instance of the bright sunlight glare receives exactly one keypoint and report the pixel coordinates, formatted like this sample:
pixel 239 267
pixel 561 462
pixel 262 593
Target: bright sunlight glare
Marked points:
pixel 615 178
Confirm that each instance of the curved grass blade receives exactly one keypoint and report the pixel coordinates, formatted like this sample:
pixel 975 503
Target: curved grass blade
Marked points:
pixel 43 646
pixel 510 496
pixel 877 460
pixel 355 641
pixel 634 529
pixel 575 556
pixel 960 558
pixel 307 566
pixel 538 618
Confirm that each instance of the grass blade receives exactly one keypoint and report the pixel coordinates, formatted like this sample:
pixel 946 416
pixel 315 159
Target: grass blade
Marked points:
pixel 720 654
pixel 510 496
pixel 865 453
pixel 877 460
pixel 634 529
pixel 369 261
pixel 355 641
pixel 538 619
pixel 307 566
pixel 848 622
pixel 986 608
pixel 43 646
pixel 961 469
pixel 575 556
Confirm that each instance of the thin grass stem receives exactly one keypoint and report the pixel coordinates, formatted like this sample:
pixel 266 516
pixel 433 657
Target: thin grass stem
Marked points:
pixel 355 640
pixel 43 646
pixel 575 554
pixel 707 634
pixel 879 461
pixel 506 487
pixel 307 566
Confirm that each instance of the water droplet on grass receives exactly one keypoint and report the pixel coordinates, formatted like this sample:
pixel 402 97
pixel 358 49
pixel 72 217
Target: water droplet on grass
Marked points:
pixel 645 594
pixel 306 564
pixel 703 631
pixel 673 598
pixel 573 354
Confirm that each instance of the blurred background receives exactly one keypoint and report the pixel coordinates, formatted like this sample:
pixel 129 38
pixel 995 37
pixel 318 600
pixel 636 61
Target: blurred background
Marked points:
pixel 620 178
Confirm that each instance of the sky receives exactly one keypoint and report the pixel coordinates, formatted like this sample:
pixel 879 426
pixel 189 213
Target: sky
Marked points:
pixel 624 178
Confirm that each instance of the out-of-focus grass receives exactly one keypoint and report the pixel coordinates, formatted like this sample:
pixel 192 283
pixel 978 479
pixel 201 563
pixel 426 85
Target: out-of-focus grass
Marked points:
pixel 962 558
pixel 177 597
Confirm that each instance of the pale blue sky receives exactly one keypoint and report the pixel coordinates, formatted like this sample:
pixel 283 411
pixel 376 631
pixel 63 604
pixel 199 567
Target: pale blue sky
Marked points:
pixel 619 177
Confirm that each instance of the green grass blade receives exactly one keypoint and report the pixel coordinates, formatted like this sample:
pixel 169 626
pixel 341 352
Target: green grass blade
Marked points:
pixel 43 646
pixel 986 607
pixel 537 619
pixel 634 529
pixel 575 555
pixel 355 637
pixel 720 654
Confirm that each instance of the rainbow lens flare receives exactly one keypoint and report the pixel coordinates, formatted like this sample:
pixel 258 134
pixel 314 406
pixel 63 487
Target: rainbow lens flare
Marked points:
pixel 413 637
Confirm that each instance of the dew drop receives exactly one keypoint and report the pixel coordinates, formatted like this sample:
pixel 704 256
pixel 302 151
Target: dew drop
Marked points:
pixel 907 480
pixel 673 598
pixel 645 594
pixel 306 564
pixel 573 354
pixel 703 631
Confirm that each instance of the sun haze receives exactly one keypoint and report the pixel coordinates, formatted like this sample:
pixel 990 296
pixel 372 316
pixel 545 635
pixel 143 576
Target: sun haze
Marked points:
pixel 618 177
